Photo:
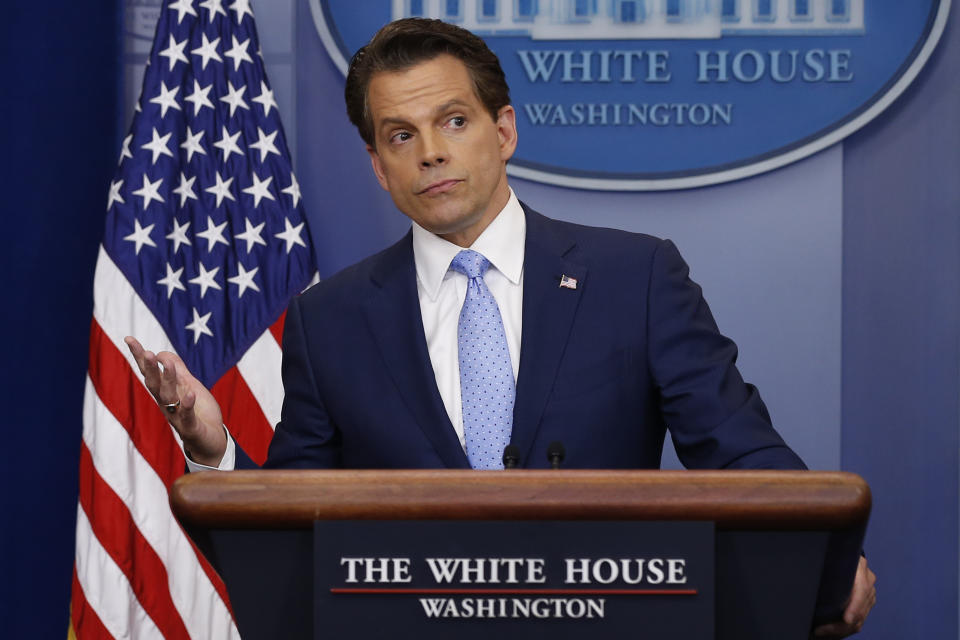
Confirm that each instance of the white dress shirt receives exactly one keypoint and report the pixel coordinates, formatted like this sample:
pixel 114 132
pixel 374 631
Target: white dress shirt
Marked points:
pixel 442 292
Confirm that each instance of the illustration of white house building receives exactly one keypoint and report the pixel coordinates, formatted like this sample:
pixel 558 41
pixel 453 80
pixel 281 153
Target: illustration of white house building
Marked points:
pixel 641 19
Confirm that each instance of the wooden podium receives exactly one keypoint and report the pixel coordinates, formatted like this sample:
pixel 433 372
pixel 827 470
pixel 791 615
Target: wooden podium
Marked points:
pixel 787 542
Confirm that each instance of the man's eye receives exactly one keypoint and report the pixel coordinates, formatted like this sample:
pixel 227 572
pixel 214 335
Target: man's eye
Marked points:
pixel 458 121
pixel 400 136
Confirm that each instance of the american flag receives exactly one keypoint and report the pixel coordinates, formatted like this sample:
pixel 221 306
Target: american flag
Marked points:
pixel 205 243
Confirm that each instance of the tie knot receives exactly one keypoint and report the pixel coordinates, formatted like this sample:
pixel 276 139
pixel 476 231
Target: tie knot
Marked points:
pixel 470 263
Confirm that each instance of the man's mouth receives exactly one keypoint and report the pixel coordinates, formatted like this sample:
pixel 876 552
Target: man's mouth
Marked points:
pixel 438 187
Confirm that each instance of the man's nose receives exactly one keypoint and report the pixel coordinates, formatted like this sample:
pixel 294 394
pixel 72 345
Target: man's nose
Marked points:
pixel 434 151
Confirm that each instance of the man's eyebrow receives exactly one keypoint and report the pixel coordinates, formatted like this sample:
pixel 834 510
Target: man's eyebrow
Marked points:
pixel 392 121
pixel 403 122
pixel 446 106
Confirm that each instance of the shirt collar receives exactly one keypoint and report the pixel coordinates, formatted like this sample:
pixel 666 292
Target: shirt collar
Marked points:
pixel 501 243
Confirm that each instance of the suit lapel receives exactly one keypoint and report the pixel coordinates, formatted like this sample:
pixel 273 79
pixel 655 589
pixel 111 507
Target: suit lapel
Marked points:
pixel 393 314
pixel 548 312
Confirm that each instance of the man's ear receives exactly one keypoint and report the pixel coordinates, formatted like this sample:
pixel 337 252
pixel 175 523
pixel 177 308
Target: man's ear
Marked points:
pixel 507 131
pixel 377 167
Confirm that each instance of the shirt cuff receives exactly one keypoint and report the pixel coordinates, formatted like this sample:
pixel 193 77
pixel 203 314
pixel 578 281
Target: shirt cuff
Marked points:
pixel 227 463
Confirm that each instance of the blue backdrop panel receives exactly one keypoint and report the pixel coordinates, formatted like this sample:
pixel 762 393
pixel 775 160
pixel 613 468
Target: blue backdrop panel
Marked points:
pixel 901 353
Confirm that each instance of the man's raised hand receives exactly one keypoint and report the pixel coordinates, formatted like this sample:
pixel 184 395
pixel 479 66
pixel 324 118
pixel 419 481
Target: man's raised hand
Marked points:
pixel 185 403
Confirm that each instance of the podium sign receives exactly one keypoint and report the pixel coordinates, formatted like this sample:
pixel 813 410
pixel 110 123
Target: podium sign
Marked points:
pixel 549 579
pixel 785 548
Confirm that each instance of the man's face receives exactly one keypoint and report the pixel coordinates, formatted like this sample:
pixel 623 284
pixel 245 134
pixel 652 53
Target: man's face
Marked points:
pixel 438 152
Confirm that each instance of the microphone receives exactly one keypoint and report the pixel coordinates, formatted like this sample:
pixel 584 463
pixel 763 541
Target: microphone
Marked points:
pixel 511 456
pixel 555 454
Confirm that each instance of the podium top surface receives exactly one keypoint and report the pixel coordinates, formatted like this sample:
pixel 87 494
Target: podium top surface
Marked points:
pixel 765 500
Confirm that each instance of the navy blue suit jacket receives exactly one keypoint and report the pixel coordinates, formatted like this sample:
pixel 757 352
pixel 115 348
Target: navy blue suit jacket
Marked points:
pixel 604 368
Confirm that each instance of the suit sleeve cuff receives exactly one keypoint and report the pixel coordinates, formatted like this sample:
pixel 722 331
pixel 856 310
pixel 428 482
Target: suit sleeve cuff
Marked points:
pixel 227 463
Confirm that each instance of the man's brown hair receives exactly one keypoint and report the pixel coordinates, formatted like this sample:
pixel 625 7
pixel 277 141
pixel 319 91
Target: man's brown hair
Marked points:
pixel 405 43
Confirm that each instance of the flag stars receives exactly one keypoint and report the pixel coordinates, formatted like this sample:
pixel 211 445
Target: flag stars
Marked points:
pixel 199 97
pixel 242 8
pixel 221 189
pixel 174 52
pixel 259 189
pixel 166 99
pixel 185 189
pixel 234 98
pixel 206 279
pixel 191 144
pixel 150 191
pixel 293 189
pixel 158 146
pixel 238 52
pixel 266 99
pixel 291 234
pixel 114 195
pixel 213 7
pixel 140 236
pixel 244 279
pixel 183 7
pixel 125 149
pixel 265 144
pixel 252 235
pixel 172 280
pixel 213 234
pixel 199 325
pixel 207 51
pixel 179 234
pixel 228 144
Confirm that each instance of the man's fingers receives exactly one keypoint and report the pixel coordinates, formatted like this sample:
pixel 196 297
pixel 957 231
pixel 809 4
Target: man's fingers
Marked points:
pixel 135 347
pixel 852 617
pixel 858 608
pixel 836 630
pixel 145 359
pixel 862 598
pixel 139 353
pixel 169 358
pixel 186 414
pixel 168 382
pixel 150 369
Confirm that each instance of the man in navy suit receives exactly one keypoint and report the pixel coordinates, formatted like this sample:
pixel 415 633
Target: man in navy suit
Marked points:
pixel 601 338
pixel 603 366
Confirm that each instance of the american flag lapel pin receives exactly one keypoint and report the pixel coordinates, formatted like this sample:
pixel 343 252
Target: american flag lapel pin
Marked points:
pixel 566 282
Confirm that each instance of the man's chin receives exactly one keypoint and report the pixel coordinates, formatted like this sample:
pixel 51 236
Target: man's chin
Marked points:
pixel 445 223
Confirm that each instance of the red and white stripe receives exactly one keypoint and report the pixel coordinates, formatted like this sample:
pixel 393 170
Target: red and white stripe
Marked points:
pixel 137 574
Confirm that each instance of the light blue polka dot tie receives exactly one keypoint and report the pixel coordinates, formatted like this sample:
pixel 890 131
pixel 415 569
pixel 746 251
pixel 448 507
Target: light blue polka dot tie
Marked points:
pixel 487 388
